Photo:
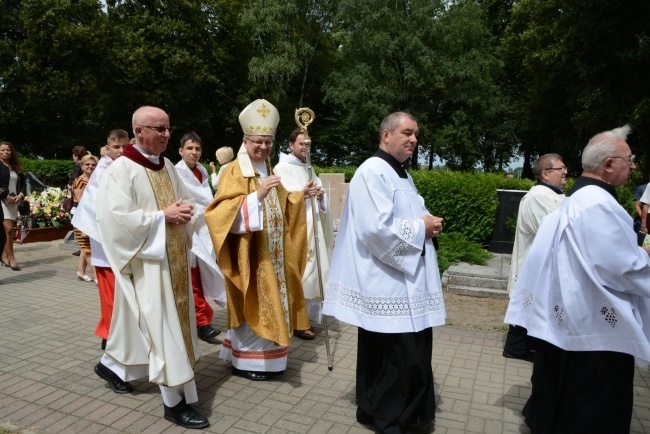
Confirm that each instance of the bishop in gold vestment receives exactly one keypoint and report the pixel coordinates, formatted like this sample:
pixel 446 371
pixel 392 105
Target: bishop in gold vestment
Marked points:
pixel 259 236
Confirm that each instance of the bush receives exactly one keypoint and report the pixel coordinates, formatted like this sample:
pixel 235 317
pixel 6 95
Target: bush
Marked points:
pixel 54 173
pixel 456 247
pixel 468 202
pixel 347 171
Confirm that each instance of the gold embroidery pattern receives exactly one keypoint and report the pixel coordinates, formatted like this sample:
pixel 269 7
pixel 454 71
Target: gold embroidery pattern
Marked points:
pixel 176 249
pixel 263 110
pixel 261 130
pixel 275 232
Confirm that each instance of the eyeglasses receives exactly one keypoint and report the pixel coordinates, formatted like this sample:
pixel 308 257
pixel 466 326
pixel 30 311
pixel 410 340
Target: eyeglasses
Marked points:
pixel 630 159
pixel 562 169
pixel 268 143
pixel 159 130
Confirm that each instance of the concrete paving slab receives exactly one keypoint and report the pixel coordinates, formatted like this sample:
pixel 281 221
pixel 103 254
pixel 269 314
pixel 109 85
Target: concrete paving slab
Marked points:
pixel 48 350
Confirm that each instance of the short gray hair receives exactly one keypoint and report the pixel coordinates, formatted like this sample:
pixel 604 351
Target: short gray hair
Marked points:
pixel 544 162
pixel 392 121
pixel 603 146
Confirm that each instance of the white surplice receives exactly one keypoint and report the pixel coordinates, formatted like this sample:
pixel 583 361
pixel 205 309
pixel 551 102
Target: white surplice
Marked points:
pixel 211 276
pixel 294 176
pixel 585 283
pixel 379 280
pixel 85 217
pixel 215 177
pixel 145 329
pixel 534 206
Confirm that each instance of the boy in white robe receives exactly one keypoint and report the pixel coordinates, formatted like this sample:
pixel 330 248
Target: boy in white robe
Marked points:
pixel 85 219
pixel 206 276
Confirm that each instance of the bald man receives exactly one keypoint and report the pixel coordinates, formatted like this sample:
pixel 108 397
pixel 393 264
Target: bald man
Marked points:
pixel 146 221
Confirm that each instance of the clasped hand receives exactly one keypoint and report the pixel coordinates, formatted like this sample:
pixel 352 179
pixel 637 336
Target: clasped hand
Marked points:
pixel 312 190
pixel 432 225
pixel 178 213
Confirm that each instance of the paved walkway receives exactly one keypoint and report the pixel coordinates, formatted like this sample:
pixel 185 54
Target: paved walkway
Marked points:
pixel 48 350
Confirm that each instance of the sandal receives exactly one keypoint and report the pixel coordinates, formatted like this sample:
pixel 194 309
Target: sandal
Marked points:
pixel 307 335
pixel 84 277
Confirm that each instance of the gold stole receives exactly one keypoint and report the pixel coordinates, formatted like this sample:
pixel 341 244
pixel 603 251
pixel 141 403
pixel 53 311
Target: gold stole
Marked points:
pixel 175 244
pixel 275 225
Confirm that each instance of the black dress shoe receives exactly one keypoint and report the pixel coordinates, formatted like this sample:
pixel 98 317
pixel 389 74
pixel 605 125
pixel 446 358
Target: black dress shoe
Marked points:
pixel 250 375
pixel 77 253
pixel 112 379
pixel 184 415
pixel 207 333
pixel 528 356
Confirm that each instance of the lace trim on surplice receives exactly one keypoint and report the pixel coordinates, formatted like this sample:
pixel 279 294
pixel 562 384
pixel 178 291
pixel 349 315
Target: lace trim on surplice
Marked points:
pixel 387 306
pixel 397 252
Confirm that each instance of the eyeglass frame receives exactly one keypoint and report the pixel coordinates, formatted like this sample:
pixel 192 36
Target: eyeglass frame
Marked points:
pixel 157 128
pixel 260 143
pixel 630 159
pixel 563 169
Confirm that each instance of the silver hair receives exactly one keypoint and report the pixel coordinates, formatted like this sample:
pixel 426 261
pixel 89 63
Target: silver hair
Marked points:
pixel 603 146
pixel 393 121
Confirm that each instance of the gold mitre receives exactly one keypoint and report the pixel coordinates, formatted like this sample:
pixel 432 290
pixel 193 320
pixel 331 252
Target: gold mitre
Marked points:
pixel 259 118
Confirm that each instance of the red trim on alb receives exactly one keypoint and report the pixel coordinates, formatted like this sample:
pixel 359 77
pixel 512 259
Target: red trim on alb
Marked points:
pixel 247 222
pixel 258 355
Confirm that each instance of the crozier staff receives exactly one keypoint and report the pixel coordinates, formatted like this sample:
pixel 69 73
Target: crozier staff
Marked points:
pixel 259 236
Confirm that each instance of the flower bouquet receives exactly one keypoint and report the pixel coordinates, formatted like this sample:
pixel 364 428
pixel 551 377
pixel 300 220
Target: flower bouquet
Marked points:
pixel 46 209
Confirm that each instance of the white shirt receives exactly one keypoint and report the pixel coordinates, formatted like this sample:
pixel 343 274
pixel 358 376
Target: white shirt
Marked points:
pixel 646 195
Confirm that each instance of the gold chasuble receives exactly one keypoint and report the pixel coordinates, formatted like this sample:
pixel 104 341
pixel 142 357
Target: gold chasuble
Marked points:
pixel 176 248
pixel 262 269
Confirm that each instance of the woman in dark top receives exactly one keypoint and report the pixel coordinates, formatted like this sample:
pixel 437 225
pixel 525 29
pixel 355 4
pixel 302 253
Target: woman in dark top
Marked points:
pixel 12 178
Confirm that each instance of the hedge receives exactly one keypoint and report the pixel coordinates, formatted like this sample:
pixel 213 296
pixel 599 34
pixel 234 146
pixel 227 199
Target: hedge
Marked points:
pixel 54 173
pixel 467 201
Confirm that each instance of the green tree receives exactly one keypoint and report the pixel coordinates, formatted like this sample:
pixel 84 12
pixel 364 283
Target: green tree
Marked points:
pixel 11 33
pixel 187 57
pixel 437 61
pixel 292 47
pixel 578 67
pixel 384 63
pixel 49 90
pixel 474 110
